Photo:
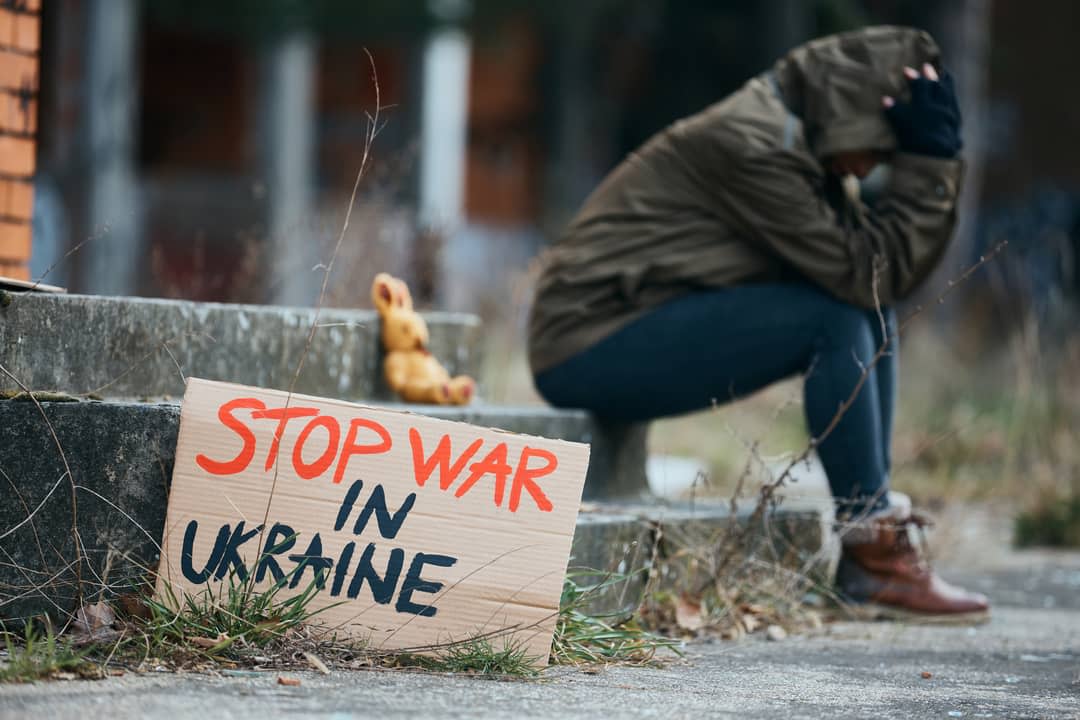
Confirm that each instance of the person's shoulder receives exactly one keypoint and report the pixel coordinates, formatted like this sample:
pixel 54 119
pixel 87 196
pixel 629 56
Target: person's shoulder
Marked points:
pixel 752 121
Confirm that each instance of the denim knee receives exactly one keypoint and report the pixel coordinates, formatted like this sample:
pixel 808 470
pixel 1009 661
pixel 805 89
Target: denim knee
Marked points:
pixel 848 327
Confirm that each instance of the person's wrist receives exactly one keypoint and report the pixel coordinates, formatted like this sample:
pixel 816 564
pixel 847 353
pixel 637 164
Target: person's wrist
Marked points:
pixel 929 124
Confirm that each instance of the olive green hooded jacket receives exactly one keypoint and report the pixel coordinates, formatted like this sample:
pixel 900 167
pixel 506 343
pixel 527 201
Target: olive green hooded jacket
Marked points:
pixel 738 193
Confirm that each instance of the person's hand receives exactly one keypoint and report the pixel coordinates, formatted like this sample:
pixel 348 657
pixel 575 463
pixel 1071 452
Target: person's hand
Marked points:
pixel 930 123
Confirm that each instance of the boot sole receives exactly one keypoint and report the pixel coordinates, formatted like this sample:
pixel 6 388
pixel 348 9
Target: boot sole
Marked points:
pixel 875 611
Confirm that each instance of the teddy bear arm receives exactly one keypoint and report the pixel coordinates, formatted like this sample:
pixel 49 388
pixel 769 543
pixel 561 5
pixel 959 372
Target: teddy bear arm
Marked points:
pixel 396 371
pixel 418 390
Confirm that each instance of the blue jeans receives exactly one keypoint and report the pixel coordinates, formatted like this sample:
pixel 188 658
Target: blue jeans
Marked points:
pixel 714 346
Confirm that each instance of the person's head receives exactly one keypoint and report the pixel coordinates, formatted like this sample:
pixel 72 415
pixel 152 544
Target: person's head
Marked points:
pixel 835 85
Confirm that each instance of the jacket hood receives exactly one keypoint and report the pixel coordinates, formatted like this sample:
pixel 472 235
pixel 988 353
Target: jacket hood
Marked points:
pixel 835 84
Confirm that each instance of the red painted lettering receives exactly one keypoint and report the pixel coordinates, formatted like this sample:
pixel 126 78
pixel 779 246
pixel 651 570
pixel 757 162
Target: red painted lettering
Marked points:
pixel 314 469
pixel 494 464
pixel 525 476
pixel 350 447
pixel 282 415
pixel 247 452
pixel 440 458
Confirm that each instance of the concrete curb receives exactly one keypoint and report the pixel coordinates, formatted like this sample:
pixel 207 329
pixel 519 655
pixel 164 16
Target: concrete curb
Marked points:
pixel 131 347
pixel 623 540
pixel 121 455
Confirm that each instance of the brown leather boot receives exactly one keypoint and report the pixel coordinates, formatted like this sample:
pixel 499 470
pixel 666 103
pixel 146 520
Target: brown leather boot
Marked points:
pixel 887 574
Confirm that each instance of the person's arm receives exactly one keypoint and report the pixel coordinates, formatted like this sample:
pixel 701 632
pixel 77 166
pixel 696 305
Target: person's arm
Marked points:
pixel 882 255
pixel 878 256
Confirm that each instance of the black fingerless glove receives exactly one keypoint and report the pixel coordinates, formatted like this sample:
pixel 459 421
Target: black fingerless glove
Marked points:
pixel 930 123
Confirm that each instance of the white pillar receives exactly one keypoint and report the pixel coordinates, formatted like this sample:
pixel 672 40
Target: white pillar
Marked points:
pixel 114 253
pixel 443 134
pixel 288 160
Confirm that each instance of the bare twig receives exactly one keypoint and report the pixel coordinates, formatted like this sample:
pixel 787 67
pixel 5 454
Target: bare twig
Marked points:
pixel 78 246
pixel 163 345
pixel 67 473
pixel 369 141
pixel 769 490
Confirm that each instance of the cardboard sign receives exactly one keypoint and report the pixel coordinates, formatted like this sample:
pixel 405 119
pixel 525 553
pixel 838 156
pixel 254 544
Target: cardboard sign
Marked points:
pixel 426 531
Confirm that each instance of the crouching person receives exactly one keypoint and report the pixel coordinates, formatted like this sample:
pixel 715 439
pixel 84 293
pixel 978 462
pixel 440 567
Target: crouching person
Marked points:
pixel 725 255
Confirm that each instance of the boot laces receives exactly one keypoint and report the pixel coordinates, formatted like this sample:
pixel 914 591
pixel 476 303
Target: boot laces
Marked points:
pixel 915 524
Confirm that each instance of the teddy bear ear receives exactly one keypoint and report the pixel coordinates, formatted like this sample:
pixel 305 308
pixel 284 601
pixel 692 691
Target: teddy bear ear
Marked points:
pixel 403 297
pixel 382 291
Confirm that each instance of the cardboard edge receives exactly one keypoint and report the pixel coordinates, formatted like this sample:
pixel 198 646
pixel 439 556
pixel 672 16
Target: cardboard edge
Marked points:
pixel 383 409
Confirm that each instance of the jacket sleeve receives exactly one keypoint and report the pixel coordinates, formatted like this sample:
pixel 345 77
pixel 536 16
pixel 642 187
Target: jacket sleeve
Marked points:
pixel 877 256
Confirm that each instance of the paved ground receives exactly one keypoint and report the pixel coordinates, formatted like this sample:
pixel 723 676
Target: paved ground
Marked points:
pixel 1024 664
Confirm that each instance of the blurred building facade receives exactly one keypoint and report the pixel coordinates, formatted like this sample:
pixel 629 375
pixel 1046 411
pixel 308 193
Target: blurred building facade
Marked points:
pixel 208 149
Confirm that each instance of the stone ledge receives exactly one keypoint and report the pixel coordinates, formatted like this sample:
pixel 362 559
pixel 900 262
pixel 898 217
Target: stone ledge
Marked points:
pixel 121 454
pixel 621 540
pixel 115 346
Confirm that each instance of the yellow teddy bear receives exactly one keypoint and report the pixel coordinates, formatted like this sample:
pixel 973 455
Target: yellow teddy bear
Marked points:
pixel 411 370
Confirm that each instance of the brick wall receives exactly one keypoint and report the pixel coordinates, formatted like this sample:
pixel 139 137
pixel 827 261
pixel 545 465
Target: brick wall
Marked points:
pixel 20 38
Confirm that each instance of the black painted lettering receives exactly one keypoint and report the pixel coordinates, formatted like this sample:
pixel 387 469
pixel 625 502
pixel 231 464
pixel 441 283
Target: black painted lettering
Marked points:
pixel 314 559
pixel 389 523
pixel 382 589
pixel 347 504
pixel 275 546
pixel 186 560
pixel 414 583
pixel 231 556
pixel 342 569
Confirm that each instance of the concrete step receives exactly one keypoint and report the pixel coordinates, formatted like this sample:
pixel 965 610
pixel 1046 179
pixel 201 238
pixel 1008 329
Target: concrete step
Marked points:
pixel 686 543
pixel 136 347
pixel 121 454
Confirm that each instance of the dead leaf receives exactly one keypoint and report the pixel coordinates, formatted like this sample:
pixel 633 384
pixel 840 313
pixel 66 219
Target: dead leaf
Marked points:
pixel 132 605
pixel 89 671
pixel 93 623
pixel 750 623
pixel 733 632
pixel 209 643
pixel 926 675
pixel 93 617
pixel 688 614
pixel 291 682
pixel 317 663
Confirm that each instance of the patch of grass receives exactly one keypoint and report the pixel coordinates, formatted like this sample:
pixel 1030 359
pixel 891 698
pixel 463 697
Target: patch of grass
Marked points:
pixel 238 612
pixel 476 656
pixel 239 623
pixel 34 656
pixel 481 657
pixel 1053 521
pixel 584 638
pixel 581 638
